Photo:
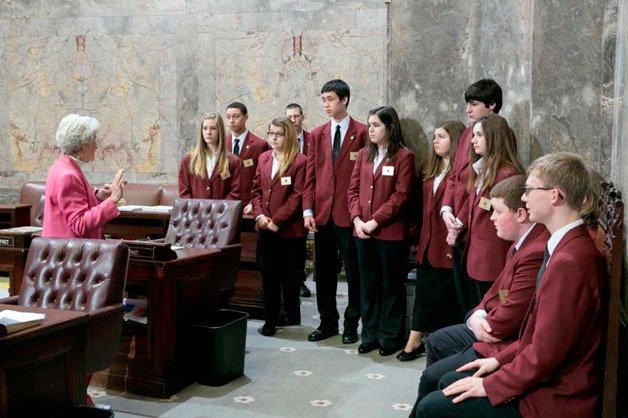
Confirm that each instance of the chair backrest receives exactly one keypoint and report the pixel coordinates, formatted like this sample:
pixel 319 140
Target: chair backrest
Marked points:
pixel 74 274
pixel 610 242
pixel 32 193
pixel 204 223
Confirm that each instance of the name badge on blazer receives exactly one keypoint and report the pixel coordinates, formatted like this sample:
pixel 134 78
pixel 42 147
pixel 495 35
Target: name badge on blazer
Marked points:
pixel 353 155
pixel 485 203
pixel 286 181
pixel 503 294
pixel 248 162
pixel 225 176
pixel 388 170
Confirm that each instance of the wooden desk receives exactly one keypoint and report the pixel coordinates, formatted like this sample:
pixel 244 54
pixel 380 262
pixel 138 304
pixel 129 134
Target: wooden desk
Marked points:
pixel 14 245
pixel 248 292
pixel 157 359
pixel 138 225
pixel 42 369
pixel 14 215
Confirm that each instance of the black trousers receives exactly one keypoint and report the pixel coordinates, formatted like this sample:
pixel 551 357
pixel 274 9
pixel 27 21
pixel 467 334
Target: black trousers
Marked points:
pixel 435 304
pixel 461 280
pixel 437 405
pixel 477 289
pixel 383 265
pixel 327 241
pixel 278 258
pixel 301 259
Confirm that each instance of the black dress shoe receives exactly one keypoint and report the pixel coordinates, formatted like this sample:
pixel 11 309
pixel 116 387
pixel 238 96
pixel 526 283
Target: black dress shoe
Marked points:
pixel 305 291
pixel 349 336
pixel 386 351
pixel 267 330
pixel 321 334
pixel 368 347
pixel 405 356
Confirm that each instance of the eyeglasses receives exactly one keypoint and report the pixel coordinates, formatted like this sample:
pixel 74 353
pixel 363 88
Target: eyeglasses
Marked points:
pixel 272 134
pixel 528 189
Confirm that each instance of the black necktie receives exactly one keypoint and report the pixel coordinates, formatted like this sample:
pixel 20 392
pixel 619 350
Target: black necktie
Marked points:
pixel 335 149
pixel 236 146
pixel 539 275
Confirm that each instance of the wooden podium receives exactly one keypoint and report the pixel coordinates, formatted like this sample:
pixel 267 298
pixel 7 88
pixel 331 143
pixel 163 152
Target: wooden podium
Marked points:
pixel 156 359
pixel 14 215
pixel 14 245
pixel 42 369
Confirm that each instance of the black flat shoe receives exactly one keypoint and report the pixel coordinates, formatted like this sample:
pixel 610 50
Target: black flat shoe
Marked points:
pixel 349 337
pixel 285 322
pixel 387 351
pixel 368 347
pixel 321 334
pixel 267 330
pixel 414 354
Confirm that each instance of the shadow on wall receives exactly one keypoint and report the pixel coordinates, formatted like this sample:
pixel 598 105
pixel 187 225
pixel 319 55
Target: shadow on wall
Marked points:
pixel 416 140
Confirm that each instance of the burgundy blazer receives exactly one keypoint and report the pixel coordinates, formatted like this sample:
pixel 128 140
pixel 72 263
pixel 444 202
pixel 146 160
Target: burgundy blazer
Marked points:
pixel 432 245
pixel 280 202
pixel 518 279
pixel 250 150
pixel 456 194
pixel 214 187
pixel 306 142
pixel 555 367
pixel 71 208
pixel 382 197
pixel 326 182
pixel 485 251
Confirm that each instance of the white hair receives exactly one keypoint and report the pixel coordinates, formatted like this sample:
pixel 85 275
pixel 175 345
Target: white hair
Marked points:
pixel 75 131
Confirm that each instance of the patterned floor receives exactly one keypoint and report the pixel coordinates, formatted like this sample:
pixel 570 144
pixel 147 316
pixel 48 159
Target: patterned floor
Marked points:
pixel 287 376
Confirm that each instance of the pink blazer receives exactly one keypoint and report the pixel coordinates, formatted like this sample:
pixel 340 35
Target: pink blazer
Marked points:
pixel 71 209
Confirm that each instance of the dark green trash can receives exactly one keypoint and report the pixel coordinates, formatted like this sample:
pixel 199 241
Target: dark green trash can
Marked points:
pixel 84 412
pixel 221 342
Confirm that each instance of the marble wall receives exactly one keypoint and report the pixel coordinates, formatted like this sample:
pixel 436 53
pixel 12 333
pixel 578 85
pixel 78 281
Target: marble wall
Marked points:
pixel 147 70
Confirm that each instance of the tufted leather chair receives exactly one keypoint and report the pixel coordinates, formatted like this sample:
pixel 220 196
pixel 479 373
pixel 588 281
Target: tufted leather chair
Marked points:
pixel 80 275
pixel 209 223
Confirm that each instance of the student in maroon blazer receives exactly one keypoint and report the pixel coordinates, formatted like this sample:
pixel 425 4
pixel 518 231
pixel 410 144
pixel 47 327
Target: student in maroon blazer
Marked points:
pixel 493 160
pixel 380 191
pixel 554 369
pixel 209 171
pixel 434 286
pixel 276 199
pixel 294 112
pixel 333 150
pixel 482 98
pixel 494 324
pixel 246 146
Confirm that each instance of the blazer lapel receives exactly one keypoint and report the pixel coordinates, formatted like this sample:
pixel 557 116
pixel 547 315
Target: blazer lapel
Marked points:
pixel 346 143
pixel 439 191
pixel 378 172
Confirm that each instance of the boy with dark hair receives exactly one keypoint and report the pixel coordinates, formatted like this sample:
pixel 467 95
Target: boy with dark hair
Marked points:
pixel 294 112
pixel 553 369
pixel 333 151
pixel 493 324
pixel 484 97
pixel 246 146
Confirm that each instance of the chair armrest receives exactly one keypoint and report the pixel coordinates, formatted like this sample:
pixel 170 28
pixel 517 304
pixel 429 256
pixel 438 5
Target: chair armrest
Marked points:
pixel 11 300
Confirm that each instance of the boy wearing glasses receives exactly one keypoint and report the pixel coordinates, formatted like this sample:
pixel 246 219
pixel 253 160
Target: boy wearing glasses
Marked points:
pixel 246 146
pixel 553 370
pixel 494 323
pixel 333 151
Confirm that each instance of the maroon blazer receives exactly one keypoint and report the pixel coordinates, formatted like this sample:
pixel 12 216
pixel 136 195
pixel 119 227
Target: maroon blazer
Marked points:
pixel 456 194
pixel 326 182
pixel 280 202
pixel 306 142
pixel 518 279
pixel 485 251
pixel 384 198
pixel 250 151
pixel 214 187
pixel 555 367
pixel 432 245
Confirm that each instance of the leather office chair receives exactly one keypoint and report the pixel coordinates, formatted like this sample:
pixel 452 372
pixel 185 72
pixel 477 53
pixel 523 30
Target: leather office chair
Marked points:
pixel 85 275
pixel 209 223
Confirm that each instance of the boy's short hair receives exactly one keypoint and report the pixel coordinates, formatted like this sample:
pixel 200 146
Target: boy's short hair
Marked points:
pixel 295 106
pixel 511 190
pixel 239 106
pixel 486 91
pixel 339 87
pixel 565 171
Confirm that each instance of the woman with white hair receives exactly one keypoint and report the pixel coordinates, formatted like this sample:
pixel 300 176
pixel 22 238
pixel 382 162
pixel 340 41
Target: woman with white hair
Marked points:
pixel 73 209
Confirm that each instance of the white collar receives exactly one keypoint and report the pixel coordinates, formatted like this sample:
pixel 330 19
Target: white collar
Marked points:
pixel 557 236
pixel 523 237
